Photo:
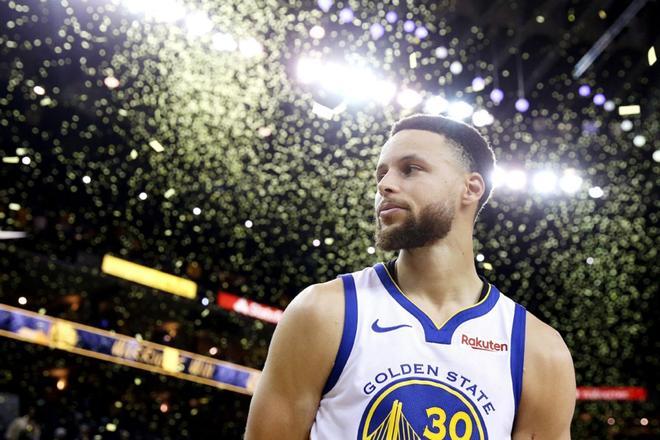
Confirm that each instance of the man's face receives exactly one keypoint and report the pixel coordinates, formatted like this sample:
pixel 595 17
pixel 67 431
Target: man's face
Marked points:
pixel 419 180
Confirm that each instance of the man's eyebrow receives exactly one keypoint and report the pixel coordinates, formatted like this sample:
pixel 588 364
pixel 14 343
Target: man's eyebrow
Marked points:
pixel 407 157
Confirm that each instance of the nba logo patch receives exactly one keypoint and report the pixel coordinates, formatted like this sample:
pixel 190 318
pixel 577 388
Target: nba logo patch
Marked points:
pixel 421 408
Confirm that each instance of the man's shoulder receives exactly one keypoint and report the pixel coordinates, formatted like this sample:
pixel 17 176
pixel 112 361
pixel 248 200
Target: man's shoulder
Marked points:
pixel 319 304
pixel 548 394
pixel 544 342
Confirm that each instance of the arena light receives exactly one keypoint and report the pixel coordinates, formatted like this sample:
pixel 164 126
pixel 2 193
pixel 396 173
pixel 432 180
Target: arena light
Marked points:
pixel 309 70
pixel 111 82
pixel 639 140
pixel 441 52
pixel 250 47
pixel 408 98
pixel 496 95
pixel 346 15
pixel 353 83
pixel 223 42
pixel 522 105
pixel 516 180
pixel 459 110
pixel 363 85
pixel 11 235
pixel 570 182
pixel 499 176
pixel 317 32
pixel 478 84
pixel 376 30
pixel 456 67
pixel 544 181
pixel 627 110
pixel 481 118
pixel 148 277
pixel 384 91
pixel 198 24
pixel 584 90
pixel 436 105
pixel 159 10
pixel 166 10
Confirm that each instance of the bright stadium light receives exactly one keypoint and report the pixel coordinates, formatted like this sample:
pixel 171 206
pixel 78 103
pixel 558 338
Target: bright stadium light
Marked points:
pixel 456 67
pixel 359 84
pixel 499 176
pixel 198 24
pixel 460 110
pixel 250 47
pixel 317 32
pixel 355 84
pixel 408 98
pixel 441 52
pixel 478 84
pixel 481 118
pixel 167 10
pixel 436 105
pixel 570 182
pixel 383 91
pixel 544 181
pixel 516 180
pixel 639 140
pixel 333 76
pixel 596 192
pixel 159 10
pixel 309 70
pixel 223 42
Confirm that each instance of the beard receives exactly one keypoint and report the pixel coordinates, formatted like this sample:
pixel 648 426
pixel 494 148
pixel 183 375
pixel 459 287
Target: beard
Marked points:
pixel 433 224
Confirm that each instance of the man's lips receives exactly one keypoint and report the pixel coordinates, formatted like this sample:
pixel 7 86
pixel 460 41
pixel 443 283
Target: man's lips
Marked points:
pixel 389 209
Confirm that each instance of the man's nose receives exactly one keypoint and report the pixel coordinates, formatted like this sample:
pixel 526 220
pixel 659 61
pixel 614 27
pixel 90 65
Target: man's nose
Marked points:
pixel 388 184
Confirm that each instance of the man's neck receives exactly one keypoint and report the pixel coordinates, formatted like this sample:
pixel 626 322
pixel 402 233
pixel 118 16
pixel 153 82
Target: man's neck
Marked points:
pixel 442 273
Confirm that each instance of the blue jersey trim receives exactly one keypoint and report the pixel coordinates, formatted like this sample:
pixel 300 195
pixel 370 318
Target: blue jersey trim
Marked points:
pixel 348 334
pixel 518 352
pixel 432 333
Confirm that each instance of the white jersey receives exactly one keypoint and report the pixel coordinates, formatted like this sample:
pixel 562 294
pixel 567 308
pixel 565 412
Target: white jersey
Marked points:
pixel 399 376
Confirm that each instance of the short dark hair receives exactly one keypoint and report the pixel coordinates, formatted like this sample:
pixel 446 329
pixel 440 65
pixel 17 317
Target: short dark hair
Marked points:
pixel 473 149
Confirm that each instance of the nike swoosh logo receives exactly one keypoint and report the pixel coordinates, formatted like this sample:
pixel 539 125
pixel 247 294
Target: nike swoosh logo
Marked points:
pixel 378 329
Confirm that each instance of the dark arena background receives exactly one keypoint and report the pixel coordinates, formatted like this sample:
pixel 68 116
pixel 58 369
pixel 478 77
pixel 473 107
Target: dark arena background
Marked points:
pixel 174 172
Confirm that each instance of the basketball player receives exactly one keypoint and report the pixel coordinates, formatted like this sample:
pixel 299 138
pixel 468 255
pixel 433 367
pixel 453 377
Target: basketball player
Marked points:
pixel 420 347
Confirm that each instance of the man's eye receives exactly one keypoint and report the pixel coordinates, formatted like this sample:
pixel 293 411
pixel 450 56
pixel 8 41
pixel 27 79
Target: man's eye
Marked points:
pixel 410 168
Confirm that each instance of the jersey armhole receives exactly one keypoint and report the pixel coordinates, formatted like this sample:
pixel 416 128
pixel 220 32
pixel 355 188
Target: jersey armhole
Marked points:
pixel 348 332
pixel 518 353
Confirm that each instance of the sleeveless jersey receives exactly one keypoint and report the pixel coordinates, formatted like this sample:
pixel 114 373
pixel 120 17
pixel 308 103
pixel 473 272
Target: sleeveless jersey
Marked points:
pixel 397 375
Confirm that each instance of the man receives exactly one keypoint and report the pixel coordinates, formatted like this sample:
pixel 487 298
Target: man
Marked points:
pixel 420 347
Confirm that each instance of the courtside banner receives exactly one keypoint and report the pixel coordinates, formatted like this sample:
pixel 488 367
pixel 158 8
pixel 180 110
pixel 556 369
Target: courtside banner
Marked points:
pixel 611 393
pixel 92 342
pixel 246 307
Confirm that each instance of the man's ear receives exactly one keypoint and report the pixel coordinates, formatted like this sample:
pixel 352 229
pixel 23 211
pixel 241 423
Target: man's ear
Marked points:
pixel 474 188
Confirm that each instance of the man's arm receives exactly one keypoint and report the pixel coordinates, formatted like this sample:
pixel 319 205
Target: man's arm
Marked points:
pixel 300 358
pixel 548 395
